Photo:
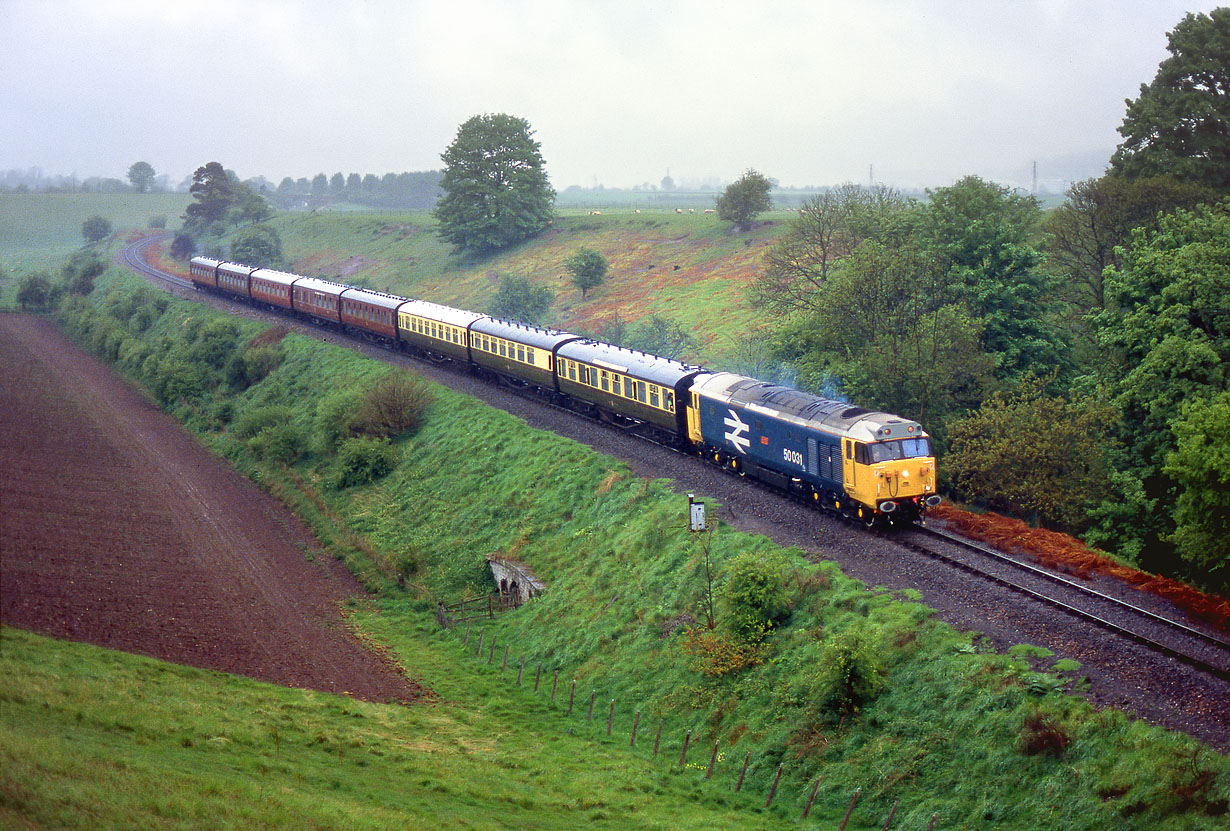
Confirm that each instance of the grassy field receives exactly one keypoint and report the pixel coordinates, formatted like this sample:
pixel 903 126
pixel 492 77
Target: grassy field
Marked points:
pixel 923 715
pixel 36 228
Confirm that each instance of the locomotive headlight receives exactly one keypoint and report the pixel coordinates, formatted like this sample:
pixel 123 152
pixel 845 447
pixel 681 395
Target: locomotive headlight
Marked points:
pixel 905 474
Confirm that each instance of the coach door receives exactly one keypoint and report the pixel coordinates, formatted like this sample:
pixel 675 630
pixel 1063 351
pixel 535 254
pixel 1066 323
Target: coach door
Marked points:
pixel 847 463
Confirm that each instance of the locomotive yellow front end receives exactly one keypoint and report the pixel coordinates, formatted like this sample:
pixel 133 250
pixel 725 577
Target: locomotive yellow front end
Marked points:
pixel 889 469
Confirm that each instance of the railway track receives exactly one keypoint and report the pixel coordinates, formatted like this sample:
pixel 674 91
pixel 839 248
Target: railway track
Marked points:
pixel 1159 633
pixel 1208 653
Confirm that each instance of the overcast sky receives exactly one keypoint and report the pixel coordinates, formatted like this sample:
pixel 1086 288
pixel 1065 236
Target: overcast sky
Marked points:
pixel 619 92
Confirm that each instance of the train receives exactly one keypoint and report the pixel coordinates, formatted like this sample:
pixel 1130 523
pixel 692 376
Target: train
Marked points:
pixel 868 466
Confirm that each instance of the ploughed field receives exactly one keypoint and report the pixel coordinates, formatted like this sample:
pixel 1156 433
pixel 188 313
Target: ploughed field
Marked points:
pixel 118 529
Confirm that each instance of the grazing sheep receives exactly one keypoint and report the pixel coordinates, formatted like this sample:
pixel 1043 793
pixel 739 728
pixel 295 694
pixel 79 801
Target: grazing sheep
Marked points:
pixel 678 210
pixel 709 210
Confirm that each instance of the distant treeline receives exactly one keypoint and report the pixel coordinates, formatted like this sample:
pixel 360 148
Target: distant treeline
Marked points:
pixel 33 180
pixel 417 190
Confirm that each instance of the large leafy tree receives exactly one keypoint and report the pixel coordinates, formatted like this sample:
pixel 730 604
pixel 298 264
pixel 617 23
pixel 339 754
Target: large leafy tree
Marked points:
pixel 213 193
pixel 982 235
pixel 885 334
pixel 1180 123
pixel 496 191
pixel 1200 467
pixel 828 228
pixel 1061 443
pixel 1168 332
pixel 142 175
pixel 744 199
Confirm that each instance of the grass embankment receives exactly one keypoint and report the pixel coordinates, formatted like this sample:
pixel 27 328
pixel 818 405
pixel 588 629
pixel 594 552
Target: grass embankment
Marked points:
pixel 856 685
pixel 690 268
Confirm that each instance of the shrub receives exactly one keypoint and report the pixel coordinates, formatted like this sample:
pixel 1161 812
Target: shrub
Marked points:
pixel 214 343
pixel 753 595
pixel 847 676
pixel 362 460
pixel 715 654
pixel 174 379
pixel 252 422
pixel 392 407
pixel 283 443
pixel 334 414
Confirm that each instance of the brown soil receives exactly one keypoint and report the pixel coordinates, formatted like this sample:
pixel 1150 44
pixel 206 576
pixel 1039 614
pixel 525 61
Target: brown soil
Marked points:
pixel 118 529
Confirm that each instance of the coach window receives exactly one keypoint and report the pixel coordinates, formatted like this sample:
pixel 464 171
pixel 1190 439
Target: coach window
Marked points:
pixel 520 353
pixel 529 356
pixel 653 395
pixel 572 370
pixel 669 397
pixel 606 381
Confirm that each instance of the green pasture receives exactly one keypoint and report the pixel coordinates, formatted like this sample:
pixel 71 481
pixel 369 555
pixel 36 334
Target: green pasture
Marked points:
pixel 38 227
pixel 923 715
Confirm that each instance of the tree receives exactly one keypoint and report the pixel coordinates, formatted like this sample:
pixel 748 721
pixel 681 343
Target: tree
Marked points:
pixel 982 234
pixel 1180 124
pixel 886 333
pixel 34 292
pixel 495 185
pixel 1059 445
pixel 1088 232
pixel 142 176
pixel 826 230
pixel 214 194
pixel 183 246
pixel 79 273
pixel 1200 467
pixel 320 184
pixel 519 299
pixel 1168 335
pixel 257 245
pixel 744 199
pixel 659 335
pixel 588 267
pixel 95 229
pixel 337 184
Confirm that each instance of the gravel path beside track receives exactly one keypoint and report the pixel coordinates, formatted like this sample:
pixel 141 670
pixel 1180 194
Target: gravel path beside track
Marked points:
pixel 118 529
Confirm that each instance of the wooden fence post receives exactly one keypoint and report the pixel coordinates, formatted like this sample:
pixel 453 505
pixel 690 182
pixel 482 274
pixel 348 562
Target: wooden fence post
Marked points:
pixel 934 817
pixel 636 722
pixel 592 695
pixel 712 759
pixel 491 652
pixel 467 640
pixel 746 759
pixel 683 757
pixel 537 676
pixel 658 739
pixel 572 695
pixel 520 670
pixel 889 821
pixel 504 665
pixel 773 790
pixel 610 717
pixel 481 632
pixel 812 798
pixel 554 684
pixel 850 810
